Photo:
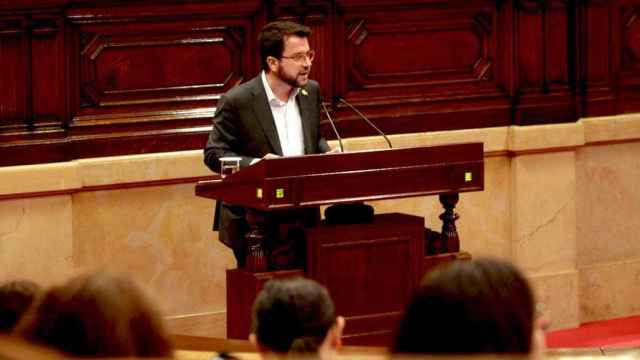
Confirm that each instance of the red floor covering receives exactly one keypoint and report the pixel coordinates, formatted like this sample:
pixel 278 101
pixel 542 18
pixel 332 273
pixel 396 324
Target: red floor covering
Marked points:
pixel 622 332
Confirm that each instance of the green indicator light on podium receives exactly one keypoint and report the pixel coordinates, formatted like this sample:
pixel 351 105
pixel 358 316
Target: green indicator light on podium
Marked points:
pixel 279 193
pixel 468 176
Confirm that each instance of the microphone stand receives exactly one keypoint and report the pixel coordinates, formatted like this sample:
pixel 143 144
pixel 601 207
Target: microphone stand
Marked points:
pixel 333 125
pixel 367 120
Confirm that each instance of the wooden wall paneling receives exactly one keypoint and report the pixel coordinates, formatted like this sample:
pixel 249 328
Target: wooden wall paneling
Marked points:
pixel 32 88
pixel 419 67
pixel 15 109
pixel 153 63
pixel 574 61
pixel 545 61
pixel 31 5
pixel 506 71
pixel 103 77
pixel 31 148
pixel 120 69
pixel 148 80
pixel 319 16
pixel 597 56
pixel 48 69
pixel 320 20
pixel 32 98
pixel 96 78
pixel 626 43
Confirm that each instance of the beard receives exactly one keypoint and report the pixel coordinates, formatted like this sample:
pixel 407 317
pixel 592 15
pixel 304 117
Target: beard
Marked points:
pixel 297 79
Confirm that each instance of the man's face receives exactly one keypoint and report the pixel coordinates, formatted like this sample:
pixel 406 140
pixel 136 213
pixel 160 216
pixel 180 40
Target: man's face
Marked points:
pixel 289 70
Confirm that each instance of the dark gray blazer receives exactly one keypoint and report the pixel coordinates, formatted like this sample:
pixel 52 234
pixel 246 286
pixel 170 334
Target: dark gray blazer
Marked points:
pixel 243 126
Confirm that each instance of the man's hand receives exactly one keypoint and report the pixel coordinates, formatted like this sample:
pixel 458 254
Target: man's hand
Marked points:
pixel 270 156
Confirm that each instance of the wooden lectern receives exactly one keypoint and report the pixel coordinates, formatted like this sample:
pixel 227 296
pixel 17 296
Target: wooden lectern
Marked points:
pixel 372 268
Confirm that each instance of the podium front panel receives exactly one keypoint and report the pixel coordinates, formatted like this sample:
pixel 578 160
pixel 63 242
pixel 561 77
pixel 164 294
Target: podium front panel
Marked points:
pixel 371 271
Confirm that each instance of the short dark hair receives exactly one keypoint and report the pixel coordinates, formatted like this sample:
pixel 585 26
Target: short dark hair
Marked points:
pixel 480 306
pixel 272 36
pixel 99 314
pixel 292 315
pixel 15 299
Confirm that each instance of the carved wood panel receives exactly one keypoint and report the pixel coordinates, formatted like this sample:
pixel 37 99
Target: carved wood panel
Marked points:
pixel 94 79
pixel 418 52
pixel 408 67
pixel 31 77
pixel 597 50
pixel 629 54
pixel 14 73
pixel 146 64
pixel 318 16
pixel 378 260
pixel 48 72
pixel 545 59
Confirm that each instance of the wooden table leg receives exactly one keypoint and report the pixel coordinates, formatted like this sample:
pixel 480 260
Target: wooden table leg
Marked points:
pixel 450 242
pixel 256 257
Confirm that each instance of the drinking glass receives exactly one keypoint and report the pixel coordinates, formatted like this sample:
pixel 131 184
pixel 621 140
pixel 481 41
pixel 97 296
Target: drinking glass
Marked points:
pixel 229 165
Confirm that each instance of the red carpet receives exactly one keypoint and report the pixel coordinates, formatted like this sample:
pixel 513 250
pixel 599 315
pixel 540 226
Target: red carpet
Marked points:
pixel 623 332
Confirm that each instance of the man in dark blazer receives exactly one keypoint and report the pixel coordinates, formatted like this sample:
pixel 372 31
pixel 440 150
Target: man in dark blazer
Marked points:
pixel 277 113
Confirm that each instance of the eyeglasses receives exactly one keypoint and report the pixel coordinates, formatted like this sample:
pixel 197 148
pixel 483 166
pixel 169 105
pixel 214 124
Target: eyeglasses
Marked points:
pixel 301 57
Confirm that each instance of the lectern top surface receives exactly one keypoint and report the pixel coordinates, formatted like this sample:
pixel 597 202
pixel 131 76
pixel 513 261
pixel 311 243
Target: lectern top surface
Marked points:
pixel 366 160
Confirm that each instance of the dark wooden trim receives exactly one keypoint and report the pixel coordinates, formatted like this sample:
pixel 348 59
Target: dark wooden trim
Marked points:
pixel 36 194
pixel 201 343
pixel 611 142
pixel 547 150
pixel 150 183
pixel 115 186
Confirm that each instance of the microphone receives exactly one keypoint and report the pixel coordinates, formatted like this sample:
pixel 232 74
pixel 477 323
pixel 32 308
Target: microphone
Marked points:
pixel 367 120
pixel 333 125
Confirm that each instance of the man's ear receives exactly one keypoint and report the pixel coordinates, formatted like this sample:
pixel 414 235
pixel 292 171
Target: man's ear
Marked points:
pixel 538 341
pixel 273 63
pixel 336 332
pixel 254 340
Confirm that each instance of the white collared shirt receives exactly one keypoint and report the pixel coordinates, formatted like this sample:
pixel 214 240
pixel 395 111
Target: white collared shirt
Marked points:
pixel 287 118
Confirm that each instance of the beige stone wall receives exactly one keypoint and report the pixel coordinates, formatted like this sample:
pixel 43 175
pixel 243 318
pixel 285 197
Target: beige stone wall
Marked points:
pixel 608 253
pixel 134 214
pixel 559 201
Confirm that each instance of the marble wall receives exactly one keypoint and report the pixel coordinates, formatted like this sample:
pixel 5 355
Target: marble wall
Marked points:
pixel 134 214
pixel 608 253
pixel 559 201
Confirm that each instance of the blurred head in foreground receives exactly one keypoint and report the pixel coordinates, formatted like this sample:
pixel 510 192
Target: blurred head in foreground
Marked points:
pixel 15 299
pixel 479 306
pixel 295 316
pixel 97 315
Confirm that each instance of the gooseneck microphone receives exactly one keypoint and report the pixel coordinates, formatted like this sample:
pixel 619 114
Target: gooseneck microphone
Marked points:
pixel 333 125
pixel 367 120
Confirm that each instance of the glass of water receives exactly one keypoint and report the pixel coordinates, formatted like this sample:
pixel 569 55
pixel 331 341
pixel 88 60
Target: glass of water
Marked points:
pixel 229 165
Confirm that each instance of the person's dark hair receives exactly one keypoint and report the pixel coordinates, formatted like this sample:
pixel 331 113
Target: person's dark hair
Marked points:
pixel 15 299
pixel 479 306
pixel 292 315
pixel 272 37
pixel 99 315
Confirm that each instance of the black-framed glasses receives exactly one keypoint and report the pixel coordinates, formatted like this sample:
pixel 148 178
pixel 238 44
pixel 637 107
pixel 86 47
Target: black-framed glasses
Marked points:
pixel 301 57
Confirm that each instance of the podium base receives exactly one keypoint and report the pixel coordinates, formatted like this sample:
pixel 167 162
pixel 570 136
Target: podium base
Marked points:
pixel 371 271
pixel 242 288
